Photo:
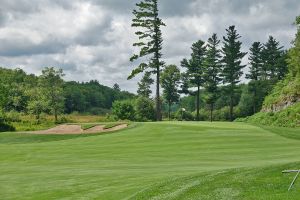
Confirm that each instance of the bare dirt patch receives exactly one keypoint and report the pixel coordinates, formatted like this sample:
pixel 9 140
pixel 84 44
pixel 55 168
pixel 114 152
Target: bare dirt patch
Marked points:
pixel 76 129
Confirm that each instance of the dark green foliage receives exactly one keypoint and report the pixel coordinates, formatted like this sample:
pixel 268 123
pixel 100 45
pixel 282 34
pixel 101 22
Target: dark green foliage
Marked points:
pixel 146 19
pixel 4 126
pixel 170 79
pixel 289 117
pixel 188 102
pixel 195 70
pixel 184 115
pixel 144 86
pixel 274 66
pixel 287 91
pixel 51 83
pixel 27 95
pixel 232 67
pixel 256 61
pixel 212 72
pixel 256 65
pixel 145 110
pixel 116 87
pixel 91 97
pixel 124 110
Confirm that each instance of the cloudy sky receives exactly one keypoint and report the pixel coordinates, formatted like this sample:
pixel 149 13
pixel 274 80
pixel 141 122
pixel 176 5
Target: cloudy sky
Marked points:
pixel 92 39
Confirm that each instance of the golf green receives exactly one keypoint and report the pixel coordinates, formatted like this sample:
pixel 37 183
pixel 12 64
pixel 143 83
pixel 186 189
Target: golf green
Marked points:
pixel 167 160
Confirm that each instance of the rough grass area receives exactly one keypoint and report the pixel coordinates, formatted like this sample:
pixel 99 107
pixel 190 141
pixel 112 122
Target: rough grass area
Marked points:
pixel 88 126
pixel 29 123
pixel 289 117
pixel 168 160
pixel 112 125
pixel 32 126
pixel 285 90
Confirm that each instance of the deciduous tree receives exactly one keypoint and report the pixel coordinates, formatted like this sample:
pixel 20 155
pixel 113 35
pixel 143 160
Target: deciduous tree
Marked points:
pixel 52 83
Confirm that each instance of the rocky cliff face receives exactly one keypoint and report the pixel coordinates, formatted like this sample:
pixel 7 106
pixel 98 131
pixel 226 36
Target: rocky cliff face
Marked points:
pixel 283 104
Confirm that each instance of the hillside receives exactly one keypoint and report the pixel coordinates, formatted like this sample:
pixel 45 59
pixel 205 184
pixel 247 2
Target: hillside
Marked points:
pixel 282 106
pixel 85 97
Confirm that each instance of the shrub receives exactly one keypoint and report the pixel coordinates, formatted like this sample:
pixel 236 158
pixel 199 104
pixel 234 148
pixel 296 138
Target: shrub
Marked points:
pixel 13 116
pixel 182 115
pixel 6 127
pixel 145 110
pixel 123 110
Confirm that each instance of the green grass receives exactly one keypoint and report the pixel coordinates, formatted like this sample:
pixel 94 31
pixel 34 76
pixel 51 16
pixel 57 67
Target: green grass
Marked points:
pixel 289 117
pixel 88 126
pixel 32 126
pixel 169 160
pixel 112 125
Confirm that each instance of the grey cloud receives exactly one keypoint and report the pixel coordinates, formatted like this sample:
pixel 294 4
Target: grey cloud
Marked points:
pixel 93 35
pixel 24 47
pixel 101 49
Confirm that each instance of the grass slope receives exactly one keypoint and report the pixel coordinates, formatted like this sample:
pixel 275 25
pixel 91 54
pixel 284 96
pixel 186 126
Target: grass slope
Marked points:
pixel 289 117
pixel 177 160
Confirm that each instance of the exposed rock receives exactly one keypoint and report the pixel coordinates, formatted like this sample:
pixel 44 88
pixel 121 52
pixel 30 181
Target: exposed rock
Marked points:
pixel 281 105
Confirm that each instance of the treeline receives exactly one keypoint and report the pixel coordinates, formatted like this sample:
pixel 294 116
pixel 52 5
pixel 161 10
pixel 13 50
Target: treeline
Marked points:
pixel 49 94
pixel 211 77
pixel 214 68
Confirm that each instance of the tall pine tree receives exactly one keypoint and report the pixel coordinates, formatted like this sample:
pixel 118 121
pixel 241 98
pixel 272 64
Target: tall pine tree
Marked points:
pixel 195 70
pixel 150 43
pixel 232 63
pixel 212 71
pixel 256 64
pixel 274 67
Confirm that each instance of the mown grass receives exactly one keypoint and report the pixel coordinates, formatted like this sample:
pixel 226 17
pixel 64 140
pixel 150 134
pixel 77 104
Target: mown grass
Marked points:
pixel 169 160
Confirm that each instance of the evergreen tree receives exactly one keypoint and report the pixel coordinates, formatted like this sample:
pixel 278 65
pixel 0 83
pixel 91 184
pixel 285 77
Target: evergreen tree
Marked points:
pixel 212 71
pixel 274 60
pixel 232 67
pixel 150 43
pixel 38 102
pixel 116 87
pixel 256 64
pixel 194 70
pixel 256 61
pixel 144 86
pixel 170 79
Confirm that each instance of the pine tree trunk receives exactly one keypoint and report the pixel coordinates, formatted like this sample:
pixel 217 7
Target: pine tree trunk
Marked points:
pixel 211 111
pixel 254 100
pixel 169 113
pixel 198 103
pixel 158 105
pixel 231 106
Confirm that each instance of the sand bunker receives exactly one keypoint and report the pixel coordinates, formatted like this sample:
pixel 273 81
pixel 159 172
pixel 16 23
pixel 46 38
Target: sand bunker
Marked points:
pixel 76 129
